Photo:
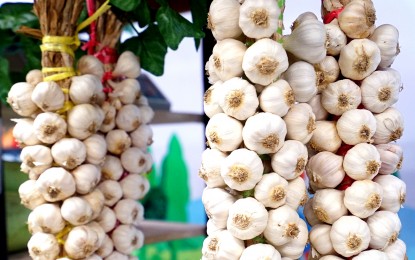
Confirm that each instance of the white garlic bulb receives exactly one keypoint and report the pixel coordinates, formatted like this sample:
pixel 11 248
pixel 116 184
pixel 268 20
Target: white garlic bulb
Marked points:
pixel 217 202
pixel 327 71
pixel 127 238
pixel 127 90
pixel 142 137
pixel 319 111
pixel 384 229
pixel 371 254
pixel 296 193
pixel 211 228
pixel 49 127
pixel 309 214
pixel 277 98
pixel 211 99
pixel 325 137
pixel 128 117
pixel 331 5
pixel 391 156
pixel 96 200
pixel 359 58
pixel 227 58
pixel 222 245
pixel 82 241
pixel 328 205
pixel 56 184
pixel 380 90
pixel 386 36
pixel 341 96
pixel 86 177
pixel 350 235
pixel 302 18
pixel 260 251
pixel 129 211
pixel 394 192
pixel 264 133
pixel 96 149
pixel 128 65
pixel 320 239
pixel 48 96
pixel 89 64
pixel 247 218
pixel 300 121
pixel 264 61
pixel 223 19
pixel 108 122
pixel 112 168
pixel 43 246
pixel 24 132
pixel 223 132
pixel 271 190
pixel 363 198
pixel 210 69
pixel 303 80
pixel 68 153
pixel 85 89
pixel 242 169
pixel 134 186
pixel 396 251
pixel 34 77
pixel 389 126
pixel 325 170
pixel 238 98
pixel 209 170
pixel 112 192
pixel 259 19
pixel 19 98
pixel 35 160
pixel 107 219
pixel 357 20
pixel 106 248
pixel 84 120
pixel 356 126
pixel 134 160
pixel 117 141
pixel 362 162
pixel 76 211
pixel 115 255
pixel 336 39
pixel 45 218
pixel 294 249
pixel 290 161
pixel 30 197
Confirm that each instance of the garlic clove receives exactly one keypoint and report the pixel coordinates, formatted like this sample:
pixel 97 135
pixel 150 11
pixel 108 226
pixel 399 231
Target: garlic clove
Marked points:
pixel 389 126
pixel 336 39
pixel 302 79
pixel 223 19
pixel 49 127
pixel 341 96
pixel 23 132
pixel 356 126
pixel 328 205
pixel 357 20
pixel 222 245
pixel 127 238
pixel 277 98
pixel 363 198
pixel 223 132
pixel 46 218
pixel 19 98
pixel 290 161
pixel 260 251
pixel 34 77
pixel 89 64
pixel 76 211
pixel 69 153
pixel 43 246
pixel 211 100
pixel 30 197
pixel 391 156
pixel 325 170
pixel 300 122
pixel 128 118
pixel 209 170
pixel 56 184
pixel 128 65
pixel 271 190
pixel 394 192
pixel 386 36
pixel 362 162
pixel 384 229
pixel 325 137
pixel 48 96
pixel 84 120
pixel 227 56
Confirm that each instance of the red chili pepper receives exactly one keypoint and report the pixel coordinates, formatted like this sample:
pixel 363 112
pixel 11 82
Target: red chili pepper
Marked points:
pixel 332 15
pixel 346 183
pixel 343 149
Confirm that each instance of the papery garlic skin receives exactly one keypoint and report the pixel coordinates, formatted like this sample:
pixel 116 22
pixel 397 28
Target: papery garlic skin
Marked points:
pixel 117 141
pixel 350 235
pixel 112 192
pixel 127 238
pixel 211 228
pixel 389 126
pixel 20 100
pixel 217 202
pixel 56 184
pixel 48 96
pixel 106 248
pixel 128 117
pixel 277 98
pixel 82 241
pixel 227 57
pixel 210 69
pixel 336 39
pixel 89 64
pixel 294 249
pixel 300 121
pixel 211 99
pixel 320 239
pixel 142 137
pixel 128 65
pixel 107 219
pixel 386 36
pixel 76 211
pixel 34 77
pixel 242 169
pixel 69 152
pixel 271 190
pixel 327 71
pixel 260 251
pixel 86 177
pixel 371 254
pixel 43 246
pixel 35 160
pixel 290 161
pixel 363 198
pixel 222 245
pixel 126 91
pixel 325 170
pixel 85 89
pixel 264 133
pixel 391 156
pixel 209 170
pixel 223 19
pixel 45 218
pixel 302 79
pixel 319 111
pixel 112 168
pixel 259 19
pixel 359 58
pixel 49 127
pixel 356 126
pixel 96 200
pixel 223 132
pixel 396 251
pixel 134 186
pixel 23 132
pixel 302 18
pixel 341 96
pixel 129 211
pixel 30 197
pixel 362 162
pixel 309 214
pixel 296 193
pixel 108 122
pixel 328 205
pixel 331 5
pixel 384 229
pixel 394 192
pixel 357 20
pixel 134 160
pixel 96 149
pixel 264 61
pixel 84 120
pixel 325 137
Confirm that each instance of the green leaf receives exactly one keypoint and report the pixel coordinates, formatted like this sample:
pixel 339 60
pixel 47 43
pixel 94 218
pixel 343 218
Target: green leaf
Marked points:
pixel 151 49
pixel 175 27
pixel 199 10
pixel 142 14
pixel 5 82
pixel 162 2
pixel 125 5
pixel 12 16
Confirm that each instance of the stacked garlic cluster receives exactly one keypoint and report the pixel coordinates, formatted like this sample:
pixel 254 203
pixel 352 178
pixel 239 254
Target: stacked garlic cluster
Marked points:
pixel 76 212
pixel 257 133
pixel 353 152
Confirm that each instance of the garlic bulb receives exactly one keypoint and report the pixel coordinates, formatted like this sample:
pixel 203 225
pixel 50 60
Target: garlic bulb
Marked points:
pixel 127 90
pixel 302 18
pixel 217 202
pixel 85 89
pixel 209 170
pixel 68 153
pixel 362 162
pixel 223 132
pixel 394 192
pixel 396 251
pixel 391 156
pixel 238 98
pixel 20 100
pixel 260 251
pixel 56 184
pixel 327 71
pixel 30 197
pixel 271 190
pixel 82 241
pixel 134 160
pixel 259 19
pixel 48 96
pixel 264 61
pixel 325 170
pixel 389 126
pixel 303 80
pixel 84 120
pixel 336 39
pixel 277 98
pixel 117 141
pixel 290 161
pixel 359 58
pixel 227 57
pixel 107 219
pixel 223 19
pixel 45 218
pixel 296 195
pixel 283 225
pixel 307 41
pixel 128 65
pixel 86 177
pixel 23 132
pixel 35 160
pixel 222 245
pixel 49 127
pixel 294 249
pixel 247 218
pixel 210 69
pixel 142 137
pixel 128 118
pixel 106 248
pixel 325 137
pixel 386 36
pixel 341 96
pixel 127 238
pixel 211 100
pixel 112 168
pixel 115 255
pixel 89 64
pixel 242 169
pixel 96 149
pixel 76 211
pixel 264 133
pixel 350 235
pixel 320 239
pixel 384 229
pixel 211 228
pixel 328 205
pixel 363 198
pixel 108 122
pixel 129 211
pixel 380 90
pixel 112 191
pixel 134 186
pixel 357 20
pixel 356 126
pixel 300 121
pixel 96 200
pixel 371 254
pixel 331 5
pixel 319 111
pixel 43 246
pixel 309 214
pixel 34 77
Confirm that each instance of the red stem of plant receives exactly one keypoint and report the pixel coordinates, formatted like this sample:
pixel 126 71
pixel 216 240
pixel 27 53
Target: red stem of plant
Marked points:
pixel 90 5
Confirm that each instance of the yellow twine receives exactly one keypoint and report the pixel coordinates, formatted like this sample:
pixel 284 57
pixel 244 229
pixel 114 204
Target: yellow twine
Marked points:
pixel 60 236
pixel 65 90
pixel 68 105
pixel 61 73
